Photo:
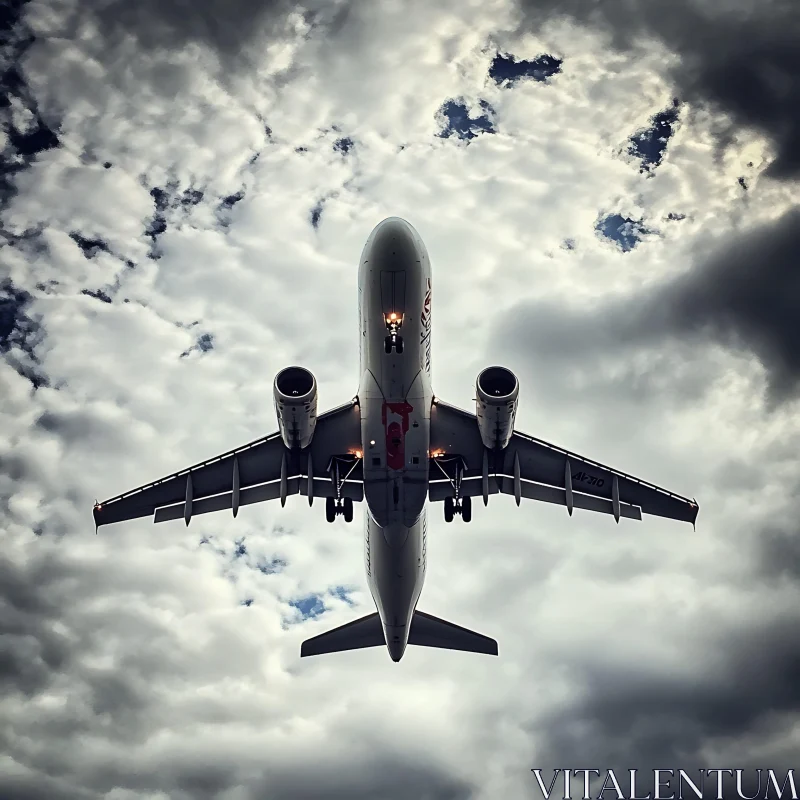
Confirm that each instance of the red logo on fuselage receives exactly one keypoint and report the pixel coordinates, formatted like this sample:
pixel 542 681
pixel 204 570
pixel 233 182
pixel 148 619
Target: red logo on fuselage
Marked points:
pixel 425 333
pixel 395 432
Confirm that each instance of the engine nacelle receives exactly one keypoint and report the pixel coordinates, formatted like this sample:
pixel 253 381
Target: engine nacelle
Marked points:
pixel 496 393
pixel 295 393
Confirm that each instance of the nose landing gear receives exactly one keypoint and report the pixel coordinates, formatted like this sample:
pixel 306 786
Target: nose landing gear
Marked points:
pixel 393 341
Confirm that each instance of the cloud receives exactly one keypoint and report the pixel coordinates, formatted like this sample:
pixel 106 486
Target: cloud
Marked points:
pixel 212 180
pixel 744 296
pixel 755 41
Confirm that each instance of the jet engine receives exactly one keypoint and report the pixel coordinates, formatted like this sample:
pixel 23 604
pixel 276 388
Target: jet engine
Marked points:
pixel 496 390
pixel 295 393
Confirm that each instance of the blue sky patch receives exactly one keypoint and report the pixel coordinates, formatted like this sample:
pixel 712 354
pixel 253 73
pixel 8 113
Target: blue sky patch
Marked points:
pixel 18 329
pixel 316 214
pixel 204 344
pixel 98 294
pixel 649 144
pixel 272 566
pixel 90 247
pixel 343 593
pixel 343 145
pixel 37 136
pixel 626 232
pixel 309 606
pixel 458 122
pixel 506 70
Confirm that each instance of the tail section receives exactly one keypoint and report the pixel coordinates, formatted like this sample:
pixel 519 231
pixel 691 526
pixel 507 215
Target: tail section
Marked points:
pixel 363 632
pixel 430 631
pixel 426 631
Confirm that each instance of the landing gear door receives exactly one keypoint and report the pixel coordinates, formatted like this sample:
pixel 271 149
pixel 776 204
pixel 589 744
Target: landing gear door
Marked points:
pixel 393 292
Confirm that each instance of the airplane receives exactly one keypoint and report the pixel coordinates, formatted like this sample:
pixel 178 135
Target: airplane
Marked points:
pixel 395 447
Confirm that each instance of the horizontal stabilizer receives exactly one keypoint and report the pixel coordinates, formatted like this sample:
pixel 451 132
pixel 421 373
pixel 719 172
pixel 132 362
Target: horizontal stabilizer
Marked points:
pixel 364 632
pixel 430 631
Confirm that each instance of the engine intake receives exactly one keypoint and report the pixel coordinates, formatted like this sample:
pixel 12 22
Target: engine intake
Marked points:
pixel 497 391
pixel 295 393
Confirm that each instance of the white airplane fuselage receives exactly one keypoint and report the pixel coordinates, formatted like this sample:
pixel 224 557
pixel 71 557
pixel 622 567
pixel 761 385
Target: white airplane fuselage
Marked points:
pixel 395 399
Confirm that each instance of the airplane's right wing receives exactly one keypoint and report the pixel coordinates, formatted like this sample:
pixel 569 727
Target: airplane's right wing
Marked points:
pixel 261 470
pixel 537 470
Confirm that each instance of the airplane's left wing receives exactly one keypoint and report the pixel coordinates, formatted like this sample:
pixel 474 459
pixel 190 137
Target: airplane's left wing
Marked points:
pixel 537 470
pixel 261 470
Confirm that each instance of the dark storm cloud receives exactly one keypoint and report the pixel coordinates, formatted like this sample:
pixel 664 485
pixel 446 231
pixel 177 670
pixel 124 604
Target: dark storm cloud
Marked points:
pixel 636 712
pixel 745 296
pixel 748 294
pixel 48 640
pixel 227 26
pixel 745 61
pixel 392 776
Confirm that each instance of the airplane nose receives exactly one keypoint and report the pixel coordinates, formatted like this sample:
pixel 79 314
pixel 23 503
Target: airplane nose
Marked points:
pixel 393 244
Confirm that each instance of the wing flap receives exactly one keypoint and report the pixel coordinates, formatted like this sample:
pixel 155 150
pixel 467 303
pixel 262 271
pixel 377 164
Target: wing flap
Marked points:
pixel 552 494
pixel 470 487
pixel 220 502
pixel 324 488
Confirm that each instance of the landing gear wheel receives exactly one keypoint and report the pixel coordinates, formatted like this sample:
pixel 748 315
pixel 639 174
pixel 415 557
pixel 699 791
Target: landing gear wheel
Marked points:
pixel 348 509
pixel 398 345
pixel 466 509
pixel 449 507
pixel 387 345
pixel 330 509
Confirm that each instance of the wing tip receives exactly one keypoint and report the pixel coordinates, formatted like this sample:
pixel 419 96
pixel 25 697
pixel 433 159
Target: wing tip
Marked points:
pixel 96 515
pixel 695 511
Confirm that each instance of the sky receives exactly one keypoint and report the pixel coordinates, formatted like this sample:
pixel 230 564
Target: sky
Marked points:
pixel 609 197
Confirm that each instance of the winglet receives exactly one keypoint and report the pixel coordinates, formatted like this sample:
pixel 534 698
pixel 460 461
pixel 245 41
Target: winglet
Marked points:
pixel 696 512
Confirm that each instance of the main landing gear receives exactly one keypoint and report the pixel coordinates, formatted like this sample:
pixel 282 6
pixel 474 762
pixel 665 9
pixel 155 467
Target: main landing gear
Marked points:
pixel 334 507
pixel 453 506
pixel 453 469
pixel 340 470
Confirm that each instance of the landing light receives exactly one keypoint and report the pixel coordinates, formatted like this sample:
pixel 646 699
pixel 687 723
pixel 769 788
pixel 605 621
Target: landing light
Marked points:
pixel 357 453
